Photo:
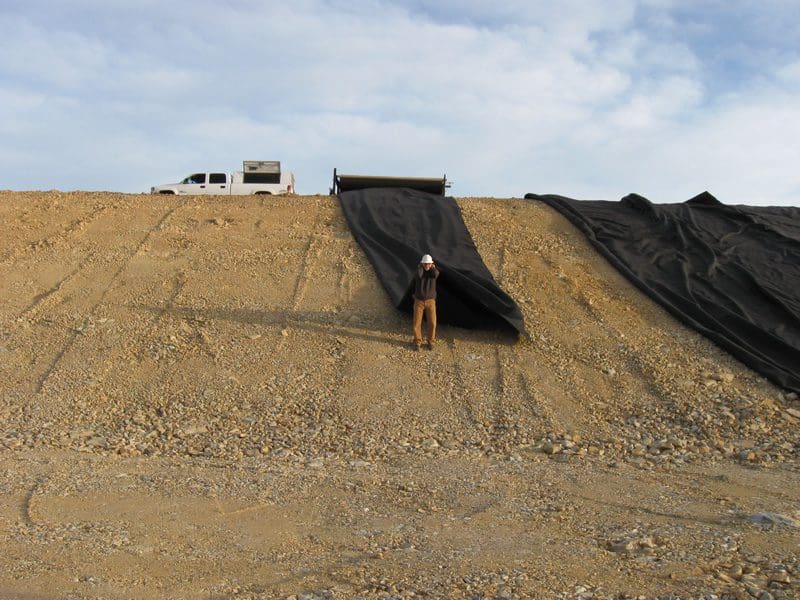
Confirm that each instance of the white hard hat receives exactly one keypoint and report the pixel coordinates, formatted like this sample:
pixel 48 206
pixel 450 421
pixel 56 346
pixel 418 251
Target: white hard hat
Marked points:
pixel 426 259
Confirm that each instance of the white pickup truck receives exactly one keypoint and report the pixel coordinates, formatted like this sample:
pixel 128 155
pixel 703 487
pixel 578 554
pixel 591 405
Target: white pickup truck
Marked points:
pixel 257 177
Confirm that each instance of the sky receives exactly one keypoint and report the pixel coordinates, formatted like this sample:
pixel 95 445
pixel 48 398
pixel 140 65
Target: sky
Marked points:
pixel 582 98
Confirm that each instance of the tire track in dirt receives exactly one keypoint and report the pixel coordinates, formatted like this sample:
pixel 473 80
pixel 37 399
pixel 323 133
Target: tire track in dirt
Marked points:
pixel 71 231
pixel 537 406
pixel 41 300
pixel 630 357
pixel 168 308
pixel 506 413
pixel 312 252
pixel 27 501
pixel 460 390
pixel 566 413
pixel 484 414
pixel 627 358
pixel 502 354
pixel 111 284
pixel 518 409
pixel 45 299
pixel 346 276
pixel 526 401
pixel 543 393
pixel 521 379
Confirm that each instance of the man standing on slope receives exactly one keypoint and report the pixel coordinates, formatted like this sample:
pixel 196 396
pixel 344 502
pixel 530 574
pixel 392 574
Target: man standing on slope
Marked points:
pixel 425 300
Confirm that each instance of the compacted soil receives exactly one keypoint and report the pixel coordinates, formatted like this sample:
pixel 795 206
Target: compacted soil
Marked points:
pixel 211 397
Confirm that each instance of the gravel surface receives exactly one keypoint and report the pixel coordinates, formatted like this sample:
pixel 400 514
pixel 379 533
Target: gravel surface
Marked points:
pixel 210 397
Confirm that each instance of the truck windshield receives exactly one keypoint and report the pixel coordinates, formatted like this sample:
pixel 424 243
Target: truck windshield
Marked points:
pixel 196 178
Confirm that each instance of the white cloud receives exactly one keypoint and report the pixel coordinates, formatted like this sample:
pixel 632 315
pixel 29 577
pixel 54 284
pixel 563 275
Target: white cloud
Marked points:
pixel 789 75
pixel 16 102
pixel 62 59
pixel 657 105
pixel 584 98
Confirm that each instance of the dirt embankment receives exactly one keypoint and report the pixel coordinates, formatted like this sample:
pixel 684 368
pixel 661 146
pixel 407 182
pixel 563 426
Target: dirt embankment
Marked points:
pixel 213 397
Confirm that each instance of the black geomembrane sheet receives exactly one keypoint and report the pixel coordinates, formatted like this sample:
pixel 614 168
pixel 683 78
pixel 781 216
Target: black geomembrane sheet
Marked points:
pixel 396 226
pixel 730 272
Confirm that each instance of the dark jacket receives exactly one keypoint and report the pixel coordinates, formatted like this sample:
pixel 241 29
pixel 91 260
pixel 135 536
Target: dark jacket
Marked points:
pixel 425 283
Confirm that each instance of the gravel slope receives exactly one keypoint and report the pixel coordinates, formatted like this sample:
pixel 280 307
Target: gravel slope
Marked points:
pixel 213 397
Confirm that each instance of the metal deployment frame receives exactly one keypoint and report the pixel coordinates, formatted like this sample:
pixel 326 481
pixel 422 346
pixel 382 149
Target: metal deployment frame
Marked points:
pixel 346 183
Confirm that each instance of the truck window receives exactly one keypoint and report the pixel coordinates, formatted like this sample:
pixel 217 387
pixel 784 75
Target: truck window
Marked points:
pixel 217 178
pixel 262 178
pixel 196 178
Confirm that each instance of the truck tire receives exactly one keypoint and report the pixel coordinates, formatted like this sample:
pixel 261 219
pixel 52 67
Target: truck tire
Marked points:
pixel 167 192
pixel 263 193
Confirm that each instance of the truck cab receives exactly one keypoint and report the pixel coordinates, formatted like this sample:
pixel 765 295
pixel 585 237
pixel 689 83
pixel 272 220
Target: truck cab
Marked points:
pixel 204 184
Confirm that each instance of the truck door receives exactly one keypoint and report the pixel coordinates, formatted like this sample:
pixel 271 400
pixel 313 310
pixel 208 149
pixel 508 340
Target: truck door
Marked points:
pixel 194 184
pixel 218 184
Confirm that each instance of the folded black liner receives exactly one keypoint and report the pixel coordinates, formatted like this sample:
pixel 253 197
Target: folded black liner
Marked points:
pixel 396 226
pixel 730 272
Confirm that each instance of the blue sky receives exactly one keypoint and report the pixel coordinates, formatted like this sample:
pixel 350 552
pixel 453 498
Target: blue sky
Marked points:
pixel 586 99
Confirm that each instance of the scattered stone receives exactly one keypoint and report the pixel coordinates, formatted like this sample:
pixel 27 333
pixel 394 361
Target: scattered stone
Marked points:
pixel 623 545
pixel 550 448
pixel 781 577
pixel 633 543
pixel 770 519
pixel 97 441
pixel 195 429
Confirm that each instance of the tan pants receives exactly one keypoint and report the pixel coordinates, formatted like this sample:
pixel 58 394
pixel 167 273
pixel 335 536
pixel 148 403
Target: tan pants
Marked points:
pixel 428 307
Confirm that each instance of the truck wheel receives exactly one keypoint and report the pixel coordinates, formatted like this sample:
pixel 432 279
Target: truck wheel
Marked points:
pixel 263 193
pixel 167 192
